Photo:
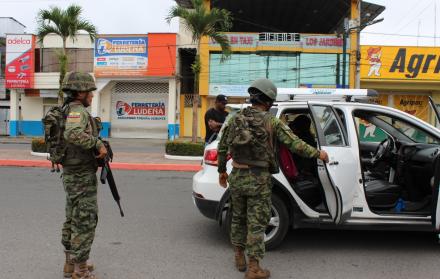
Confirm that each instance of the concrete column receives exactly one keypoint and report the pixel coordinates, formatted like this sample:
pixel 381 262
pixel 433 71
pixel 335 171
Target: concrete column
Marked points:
pixel 173 125
pixel 14 118
pixel 354 81
pixel 96 104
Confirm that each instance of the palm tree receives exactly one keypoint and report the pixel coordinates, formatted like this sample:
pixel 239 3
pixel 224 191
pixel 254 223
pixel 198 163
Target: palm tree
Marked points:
pixel 201 21
pixel 66 24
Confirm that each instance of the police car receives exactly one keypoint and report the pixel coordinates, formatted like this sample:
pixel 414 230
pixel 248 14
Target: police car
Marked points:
pixel 383 172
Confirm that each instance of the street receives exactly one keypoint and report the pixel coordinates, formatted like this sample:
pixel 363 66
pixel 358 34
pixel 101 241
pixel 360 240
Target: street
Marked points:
pixel 164 236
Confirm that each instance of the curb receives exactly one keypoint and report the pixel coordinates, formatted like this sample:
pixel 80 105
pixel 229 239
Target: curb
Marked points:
pixel 40 154
pixel 184 158
pixel 115 166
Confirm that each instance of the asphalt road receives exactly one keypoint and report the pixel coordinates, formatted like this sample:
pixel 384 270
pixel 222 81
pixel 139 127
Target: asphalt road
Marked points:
pixel 118 145
pixel 163 236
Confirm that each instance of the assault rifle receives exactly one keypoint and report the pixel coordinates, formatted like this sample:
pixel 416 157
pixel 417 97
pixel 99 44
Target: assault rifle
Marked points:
pixel 107 175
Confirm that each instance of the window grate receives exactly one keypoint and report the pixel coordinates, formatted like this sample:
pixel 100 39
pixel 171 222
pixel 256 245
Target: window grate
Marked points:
pixel 141 87
pixel 189 100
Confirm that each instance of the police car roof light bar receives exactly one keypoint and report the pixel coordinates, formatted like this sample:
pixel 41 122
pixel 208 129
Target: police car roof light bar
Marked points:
pixel 290 94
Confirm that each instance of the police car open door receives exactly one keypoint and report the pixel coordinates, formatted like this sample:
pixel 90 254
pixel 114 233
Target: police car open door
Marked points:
pixel 436 183
pixel 340 175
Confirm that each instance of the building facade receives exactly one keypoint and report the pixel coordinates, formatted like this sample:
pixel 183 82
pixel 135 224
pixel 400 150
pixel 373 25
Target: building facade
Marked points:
pixel 404 76
pixel 309 52
pixel 135 77
pixel 8 25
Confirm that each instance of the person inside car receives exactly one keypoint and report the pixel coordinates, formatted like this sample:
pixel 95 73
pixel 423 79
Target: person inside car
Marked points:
pixel 301 127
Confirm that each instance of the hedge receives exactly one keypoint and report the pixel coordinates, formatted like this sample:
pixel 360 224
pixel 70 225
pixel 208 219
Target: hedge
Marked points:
pixel 184 148
pixel 38 145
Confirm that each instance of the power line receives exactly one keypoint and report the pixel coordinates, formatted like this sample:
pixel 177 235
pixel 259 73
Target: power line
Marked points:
pixel 417 17
pixel 400 35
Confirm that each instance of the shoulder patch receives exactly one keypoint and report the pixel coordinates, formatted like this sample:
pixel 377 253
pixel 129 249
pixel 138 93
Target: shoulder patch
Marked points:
pixel 74 117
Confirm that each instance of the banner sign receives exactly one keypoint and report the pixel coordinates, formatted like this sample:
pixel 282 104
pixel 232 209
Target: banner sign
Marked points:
pixel 229 90
pixel 239 40
pixel 283 40
pixel 323 42
pixel 381 100
pixel 413 104
pixel 141 111
pixel 20 61
pixel 121 56
pixel 400 63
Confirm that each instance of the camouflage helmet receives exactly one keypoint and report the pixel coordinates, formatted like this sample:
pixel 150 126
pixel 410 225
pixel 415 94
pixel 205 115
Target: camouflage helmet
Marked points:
pixel 265 86
pixel 78 82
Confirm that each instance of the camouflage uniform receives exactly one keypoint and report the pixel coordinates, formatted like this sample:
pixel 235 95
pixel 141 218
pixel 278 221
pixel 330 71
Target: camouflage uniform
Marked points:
pixel 80 182
pixel 251 189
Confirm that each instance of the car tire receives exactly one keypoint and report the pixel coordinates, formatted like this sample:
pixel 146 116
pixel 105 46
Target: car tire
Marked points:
pixel 279 210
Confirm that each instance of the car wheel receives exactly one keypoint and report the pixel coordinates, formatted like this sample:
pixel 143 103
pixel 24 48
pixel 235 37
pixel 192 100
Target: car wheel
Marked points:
pixel 278 224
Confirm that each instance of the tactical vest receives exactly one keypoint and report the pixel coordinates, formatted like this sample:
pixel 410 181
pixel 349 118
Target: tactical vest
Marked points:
pixel 251 139
pixel 77 158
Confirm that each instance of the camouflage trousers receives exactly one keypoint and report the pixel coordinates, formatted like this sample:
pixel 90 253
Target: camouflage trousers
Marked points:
pixel 78 230
pixel 251 191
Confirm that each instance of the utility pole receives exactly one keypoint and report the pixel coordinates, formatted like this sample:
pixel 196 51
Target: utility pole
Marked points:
pixel 435 23
pixel 346 32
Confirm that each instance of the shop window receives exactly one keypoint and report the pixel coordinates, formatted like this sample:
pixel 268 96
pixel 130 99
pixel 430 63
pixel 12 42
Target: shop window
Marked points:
pixel 285 69
pixel 243 68
pixel 80 60
pixel 323 70
pixel 189 98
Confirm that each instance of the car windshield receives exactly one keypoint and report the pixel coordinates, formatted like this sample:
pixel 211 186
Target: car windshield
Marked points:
pixel 410 131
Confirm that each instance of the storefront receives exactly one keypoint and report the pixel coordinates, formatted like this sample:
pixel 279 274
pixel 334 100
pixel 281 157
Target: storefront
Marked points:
pixel 404 77
pixel 137 85
pixel 135 78
pixel 290 60
pixel 139 110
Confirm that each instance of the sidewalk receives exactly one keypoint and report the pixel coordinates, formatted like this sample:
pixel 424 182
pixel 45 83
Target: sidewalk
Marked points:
pixel 129 154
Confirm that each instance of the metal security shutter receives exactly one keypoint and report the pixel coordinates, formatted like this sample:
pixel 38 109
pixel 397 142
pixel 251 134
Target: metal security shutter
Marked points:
pixel 139 110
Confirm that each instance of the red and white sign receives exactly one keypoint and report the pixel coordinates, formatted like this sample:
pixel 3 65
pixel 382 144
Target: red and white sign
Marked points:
pixel 323 42
pixel 20 61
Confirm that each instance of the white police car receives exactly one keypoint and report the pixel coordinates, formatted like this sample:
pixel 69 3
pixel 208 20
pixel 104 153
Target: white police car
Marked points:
pixel 383 172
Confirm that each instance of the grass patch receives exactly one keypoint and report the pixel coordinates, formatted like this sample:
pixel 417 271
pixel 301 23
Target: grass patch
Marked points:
pixel 181 148
pixel 38 145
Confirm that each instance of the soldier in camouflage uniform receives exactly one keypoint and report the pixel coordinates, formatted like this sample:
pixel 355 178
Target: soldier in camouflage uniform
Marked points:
pixel 79 175
pixel 252 146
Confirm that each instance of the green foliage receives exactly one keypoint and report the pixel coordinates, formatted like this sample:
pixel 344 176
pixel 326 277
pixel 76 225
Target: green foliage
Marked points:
pixel 38 145
pixel 201 21
pixel 184 148
pixel 66 24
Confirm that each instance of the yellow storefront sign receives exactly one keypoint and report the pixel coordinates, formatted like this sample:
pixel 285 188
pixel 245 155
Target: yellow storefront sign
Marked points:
pixel 381 100
pixel 413 104
pixel 400 63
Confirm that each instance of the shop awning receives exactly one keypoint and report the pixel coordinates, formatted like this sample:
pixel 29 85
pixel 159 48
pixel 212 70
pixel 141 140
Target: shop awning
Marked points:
pixel 298 16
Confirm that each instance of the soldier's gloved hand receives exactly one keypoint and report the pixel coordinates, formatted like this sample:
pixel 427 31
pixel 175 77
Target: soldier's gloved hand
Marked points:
pixel 223 179
pixel 323 156
pixel 102 152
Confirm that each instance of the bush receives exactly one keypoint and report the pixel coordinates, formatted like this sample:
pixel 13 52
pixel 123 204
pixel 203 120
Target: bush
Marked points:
pixel 184 148
pixel 38 145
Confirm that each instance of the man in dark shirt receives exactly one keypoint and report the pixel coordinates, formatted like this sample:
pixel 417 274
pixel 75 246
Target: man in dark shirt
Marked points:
pixel 215 117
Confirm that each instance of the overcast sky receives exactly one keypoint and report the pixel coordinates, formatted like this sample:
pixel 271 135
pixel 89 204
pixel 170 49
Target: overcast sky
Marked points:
pixel 404 19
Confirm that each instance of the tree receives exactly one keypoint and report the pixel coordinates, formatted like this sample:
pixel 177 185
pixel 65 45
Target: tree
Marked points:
pixel 201 21
pixel 67 24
